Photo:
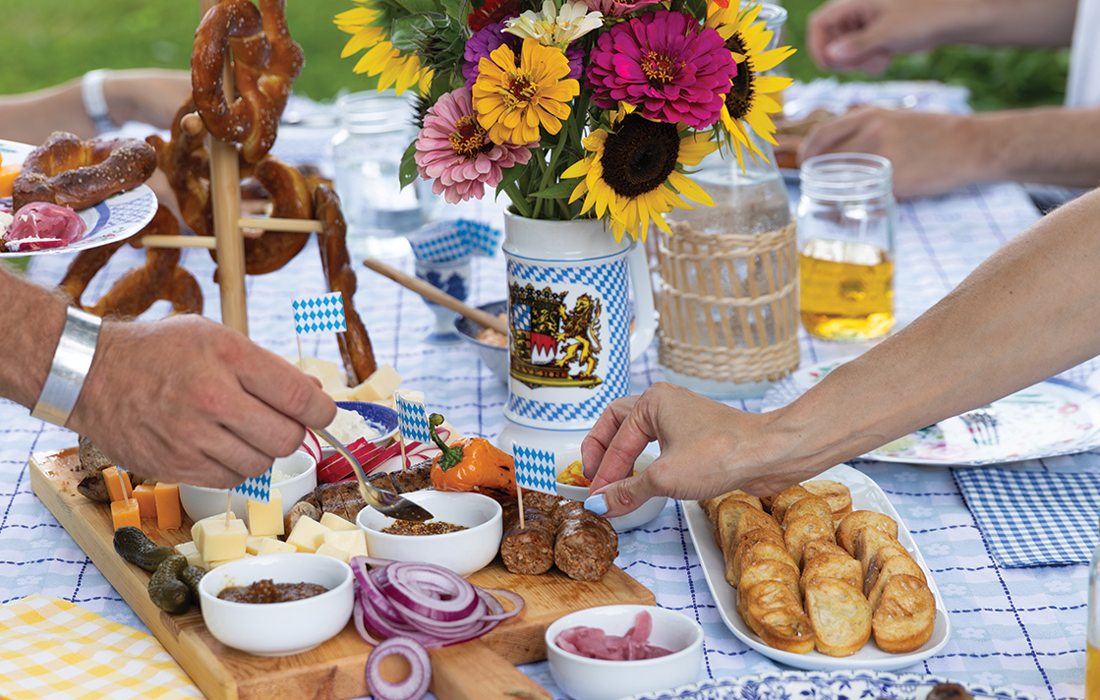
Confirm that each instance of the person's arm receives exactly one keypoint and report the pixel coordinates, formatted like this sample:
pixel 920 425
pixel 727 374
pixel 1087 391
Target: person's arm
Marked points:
pixel 151 96
pixel 1026 313
pixel 183 399
pixel 936 153
pixel 850 35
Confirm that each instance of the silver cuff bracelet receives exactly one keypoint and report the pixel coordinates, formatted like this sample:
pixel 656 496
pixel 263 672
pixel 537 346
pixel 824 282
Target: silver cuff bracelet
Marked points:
pixel 71 362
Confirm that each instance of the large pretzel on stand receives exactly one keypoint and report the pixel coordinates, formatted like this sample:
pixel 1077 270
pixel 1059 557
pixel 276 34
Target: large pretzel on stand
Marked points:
pixel 160 278
pixel 265 63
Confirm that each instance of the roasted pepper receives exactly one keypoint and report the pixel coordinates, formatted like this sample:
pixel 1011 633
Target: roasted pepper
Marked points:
pixel 471 464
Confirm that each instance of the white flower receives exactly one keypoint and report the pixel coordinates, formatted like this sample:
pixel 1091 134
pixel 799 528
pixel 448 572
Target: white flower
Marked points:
pixel 555 27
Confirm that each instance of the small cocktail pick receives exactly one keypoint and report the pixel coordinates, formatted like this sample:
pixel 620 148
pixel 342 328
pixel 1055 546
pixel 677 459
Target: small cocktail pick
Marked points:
pixel 318 314
pixel 412 422
pixel 534 471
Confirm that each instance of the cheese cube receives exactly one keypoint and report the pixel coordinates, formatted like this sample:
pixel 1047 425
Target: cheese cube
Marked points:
pixel 118 483
pixel 147 503
pixel 196 529
pixel 216 564
pixel 334 522
pixel 307 535
pixel 125 513
pixel 377 387
pixel 168 506
pixel 265 518
pixel 220 540
pixel 336 553
pixel 354 543
pixel 252 545
pixel 190 552
pixel 270 545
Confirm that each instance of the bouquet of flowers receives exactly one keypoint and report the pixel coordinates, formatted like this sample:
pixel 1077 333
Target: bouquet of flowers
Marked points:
pixel 575 108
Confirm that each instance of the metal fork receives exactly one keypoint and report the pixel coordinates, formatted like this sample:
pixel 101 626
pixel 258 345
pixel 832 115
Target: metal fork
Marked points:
pixel 982 426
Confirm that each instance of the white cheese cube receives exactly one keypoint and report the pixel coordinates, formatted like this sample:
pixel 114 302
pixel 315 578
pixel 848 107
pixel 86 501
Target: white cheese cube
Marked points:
pixel 354 543
pixel 252 544
pixel 329 551
pixel 307 535
pixel 216 564
pixel 334 522
pixel 190 552
pixel 196 529
pixel 377 387
pixel 265 518
pixel 270 545
pixel 220 541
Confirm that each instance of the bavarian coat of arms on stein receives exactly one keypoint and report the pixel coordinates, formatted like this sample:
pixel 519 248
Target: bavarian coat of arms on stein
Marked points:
pixel 569 320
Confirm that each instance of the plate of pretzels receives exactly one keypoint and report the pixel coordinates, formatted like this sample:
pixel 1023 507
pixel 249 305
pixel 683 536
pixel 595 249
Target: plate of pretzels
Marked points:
pixel 821 576
pixel 73 194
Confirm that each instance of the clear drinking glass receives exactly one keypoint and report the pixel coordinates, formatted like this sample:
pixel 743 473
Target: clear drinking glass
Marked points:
pixel 375 130
pixel 846 222
pixel 1092 646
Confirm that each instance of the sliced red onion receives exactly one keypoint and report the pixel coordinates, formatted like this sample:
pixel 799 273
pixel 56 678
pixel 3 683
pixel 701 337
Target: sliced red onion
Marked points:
pixel 415 686
pixel 424 602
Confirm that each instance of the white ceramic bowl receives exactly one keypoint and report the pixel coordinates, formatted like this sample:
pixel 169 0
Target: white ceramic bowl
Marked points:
pixel 596 679
pixel 278 629
pixel 642 515
pixel 202 502
pixel 463 552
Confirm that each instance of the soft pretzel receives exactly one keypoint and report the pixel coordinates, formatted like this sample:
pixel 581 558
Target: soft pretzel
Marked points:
pixel 355 345
pixel 265 63
pixel 159 278
pixel 185 163
pixel 71 172
pixel 290 199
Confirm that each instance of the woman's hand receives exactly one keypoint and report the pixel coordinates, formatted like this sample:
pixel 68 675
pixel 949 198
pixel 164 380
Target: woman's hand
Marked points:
pixel 706 448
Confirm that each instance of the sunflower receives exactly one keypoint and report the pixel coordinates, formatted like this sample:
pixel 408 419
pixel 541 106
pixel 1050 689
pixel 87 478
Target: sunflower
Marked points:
pixel 635 174
pixel 513 100
pixel 366 24
pixel 749 103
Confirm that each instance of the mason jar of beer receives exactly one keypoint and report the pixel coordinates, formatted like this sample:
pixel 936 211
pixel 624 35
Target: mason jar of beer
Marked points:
pixel 846 223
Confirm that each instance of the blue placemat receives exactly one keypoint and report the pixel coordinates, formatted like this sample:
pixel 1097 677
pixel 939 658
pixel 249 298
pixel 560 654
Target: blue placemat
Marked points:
pixel 1034 517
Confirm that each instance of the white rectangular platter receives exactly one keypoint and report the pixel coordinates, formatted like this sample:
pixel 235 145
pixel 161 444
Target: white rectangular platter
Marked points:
pixel 866 495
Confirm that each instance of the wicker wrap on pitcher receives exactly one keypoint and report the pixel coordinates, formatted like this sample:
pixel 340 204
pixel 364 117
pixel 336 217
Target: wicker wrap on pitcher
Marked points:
pixel 729 304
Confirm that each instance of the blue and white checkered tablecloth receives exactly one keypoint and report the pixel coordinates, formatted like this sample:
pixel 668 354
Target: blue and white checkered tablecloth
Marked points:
pixel 1022 628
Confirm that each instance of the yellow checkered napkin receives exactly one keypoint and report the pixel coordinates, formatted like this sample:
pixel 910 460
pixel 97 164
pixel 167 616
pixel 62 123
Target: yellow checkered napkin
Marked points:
pixel 50 648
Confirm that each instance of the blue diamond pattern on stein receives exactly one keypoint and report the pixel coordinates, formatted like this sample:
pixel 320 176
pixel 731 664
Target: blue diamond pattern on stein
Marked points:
pixel 521 317
pixel 611 281
pixel 535 469
pixel 257 488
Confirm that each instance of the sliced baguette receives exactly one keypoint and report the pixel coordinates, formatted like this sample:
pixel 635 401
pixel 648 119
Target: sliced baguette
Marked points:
pixel 808 528
pixel 854 522
pixel 840 615
pixel 905 615
pixel 831 565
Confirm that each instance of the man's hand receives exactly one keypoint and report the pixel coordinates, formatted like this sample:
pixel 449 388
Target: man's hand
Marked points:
pixel 186 399
pixel 931 153
pixel 706 448
pixel 863 35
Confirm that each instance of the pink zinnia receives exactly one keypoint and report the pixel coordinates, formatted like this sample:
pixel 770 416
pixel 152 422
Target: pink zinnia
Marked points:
pixel 666 65
pixel 618 8
pixel 456 153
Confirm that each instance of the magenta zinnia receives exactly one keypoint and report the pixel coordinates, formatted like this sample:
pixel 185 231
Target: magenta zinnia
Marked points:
pixel 618 8
pixel 664 64
pixel 455 152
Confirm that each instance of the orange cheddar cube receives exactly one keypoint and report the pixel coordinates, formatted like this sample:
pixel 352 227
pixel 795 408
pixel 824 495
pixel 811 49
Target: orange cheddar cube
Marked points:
pixel 168 506
pixel 147 504
pixel 125 513
pixel 118 484
pixel 8 173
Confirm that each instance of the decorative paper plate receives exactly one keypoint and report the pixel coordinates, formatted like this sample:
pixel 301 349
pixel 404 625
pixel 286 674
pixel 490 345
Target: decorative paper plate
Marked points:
pixel 1051 418
pixel 817 685
pixel 114 219
pixel 866 495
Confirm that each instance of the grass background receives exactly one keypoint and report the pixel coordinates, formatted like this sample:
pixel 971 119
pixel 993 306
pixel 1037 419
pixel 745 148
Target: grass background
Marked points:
pixel 59 39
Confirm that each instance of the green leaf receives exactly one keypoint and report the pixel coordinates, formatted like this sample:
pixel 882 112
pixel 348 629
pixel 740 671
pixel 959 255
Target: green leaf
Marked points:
pixel 407 173
pixel 561 189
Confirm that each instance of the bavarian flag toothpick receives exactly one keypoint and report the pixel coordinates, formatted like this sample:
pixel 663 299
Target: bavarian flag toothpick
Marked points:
pixel 412 421
pixel 318 314
pixel 535 471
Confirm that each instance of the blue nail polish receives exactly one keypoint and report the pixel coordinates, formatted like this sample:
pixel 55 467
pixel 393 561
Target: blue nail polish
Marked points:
pixel 596 504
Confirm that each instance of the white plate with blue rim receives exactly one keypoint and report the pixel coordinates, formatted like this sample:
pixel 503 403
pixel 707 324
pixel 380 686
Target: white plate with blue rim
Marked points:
pixel 824 685
pixel 114 219
pixel 1051 418
pixel 866 495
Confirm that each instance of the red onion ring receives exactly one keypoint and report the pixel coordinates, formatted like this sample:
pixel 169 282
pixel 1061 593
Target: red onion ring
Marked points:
pixel 415 686
pixel 427 603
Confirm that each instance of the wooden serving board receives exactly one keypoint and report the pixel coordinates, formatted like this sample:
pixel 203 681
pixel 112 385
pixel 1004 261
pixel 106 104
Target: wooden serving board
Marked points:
pixel 484 668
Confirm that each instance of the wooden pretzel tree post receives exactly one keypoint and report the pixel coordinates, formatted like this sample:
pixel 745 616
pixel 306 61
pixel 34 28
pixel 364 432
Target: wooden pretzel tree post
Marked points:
pixel 225 193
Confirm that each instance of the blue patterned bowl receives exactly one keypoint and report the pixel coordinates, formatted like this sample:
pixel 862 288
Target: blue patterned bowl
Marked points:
pixel 495 357
pixel 381 419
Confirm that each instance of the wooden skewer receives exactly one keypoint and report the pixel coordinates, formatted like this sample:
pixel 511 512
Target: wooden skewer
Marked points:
pixel 178 242
pixel 277 224
pixel 438 296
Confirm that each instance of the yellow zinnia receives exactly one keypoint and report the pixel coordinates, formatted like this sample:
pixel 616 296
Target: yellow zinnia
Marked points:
pixel 634 174
pixel 393 68
pixel 749 102
pixel 512 101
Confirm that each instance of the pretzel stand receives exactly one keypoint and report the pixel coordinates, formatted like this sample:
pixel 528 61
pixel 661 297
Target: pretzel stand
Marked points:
pixel 228 240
